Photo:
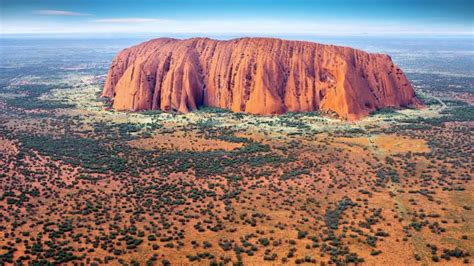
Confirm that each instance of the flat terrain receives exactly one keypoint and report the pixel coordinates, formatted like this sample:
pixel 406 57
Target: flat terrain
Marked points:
pixel 83 184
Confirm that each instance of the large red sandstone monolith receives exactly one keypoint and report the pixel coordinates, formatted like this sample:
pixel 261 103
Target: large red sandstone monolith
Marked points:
pixel 255 75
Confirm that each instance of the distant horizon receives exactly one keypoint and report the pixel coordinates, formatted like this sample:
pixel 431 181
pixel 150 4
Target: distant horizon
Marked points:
pixel 265 17
pixel 127 35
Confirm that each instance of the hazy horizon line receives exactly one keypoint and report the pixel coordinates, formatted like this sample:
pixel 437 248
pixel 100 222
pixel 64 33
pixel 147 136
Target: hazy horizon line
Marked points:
pixel 241 34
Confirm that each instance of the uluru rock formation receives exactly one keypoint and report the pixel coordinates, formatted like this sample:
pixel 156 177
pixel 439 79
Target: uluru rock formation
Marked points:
pixel 255 75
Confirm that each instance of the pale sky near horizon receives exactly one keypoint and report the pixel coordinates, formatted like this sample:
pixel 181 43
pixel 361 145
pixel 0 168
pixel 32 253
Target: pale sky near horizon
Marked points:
pixel 325 17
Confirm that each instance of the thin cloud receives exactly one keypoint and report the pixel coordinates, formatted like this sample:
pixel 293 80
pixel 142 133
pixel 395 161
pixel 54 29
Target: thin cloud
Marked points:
pixel 61 13
pixel 128 20
pixel 233 27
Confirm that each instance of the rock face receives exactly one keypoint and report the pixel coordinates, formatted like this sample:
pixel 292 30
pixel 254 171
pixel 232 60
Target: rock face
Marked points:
pixel 255 75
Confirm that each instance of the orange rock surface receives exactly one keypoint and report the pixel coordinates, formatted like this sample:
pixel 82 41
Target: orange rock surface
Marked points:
pixel 255 75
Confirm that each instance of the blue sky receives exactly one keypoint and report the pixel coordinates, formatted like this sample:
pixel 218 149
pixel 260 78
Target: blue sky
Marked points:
pixel 278 17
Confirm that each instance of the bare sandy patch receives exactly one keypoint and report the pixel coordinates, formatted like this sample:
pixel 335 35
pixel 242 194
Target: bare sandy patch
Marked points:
pixel 390 144
pixel 182 141
pixel 6 146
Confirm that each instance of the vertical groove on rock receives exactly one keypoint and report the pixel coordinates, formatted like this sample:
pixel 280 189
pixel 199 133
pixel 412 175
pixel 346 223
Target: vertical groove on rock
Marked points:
pixel 255 75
